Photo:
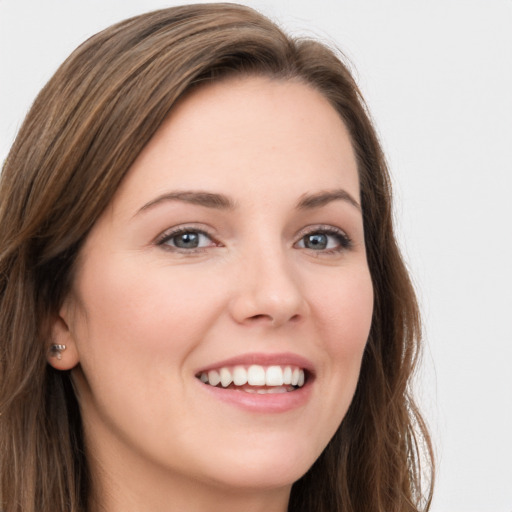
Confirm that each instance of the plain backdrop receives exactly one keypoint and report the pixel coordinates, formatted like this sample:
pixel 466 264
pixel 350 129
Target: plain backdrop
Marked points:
pixel 437 76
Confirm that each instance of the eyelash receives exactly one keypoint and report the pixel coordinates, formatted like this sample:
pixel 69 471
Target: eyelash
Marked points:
pixel 169 235
pixel 343 240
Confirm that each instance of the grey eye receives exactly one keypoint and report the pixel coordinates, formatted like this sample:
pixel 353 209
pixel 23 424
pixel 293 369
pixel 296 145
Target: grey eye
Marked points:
pixel 316 241
pixel 327 240
pixel 187 239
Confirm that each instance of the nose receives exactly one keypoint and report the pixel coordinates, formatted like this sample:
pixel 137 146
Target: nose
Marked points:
pixel 268 290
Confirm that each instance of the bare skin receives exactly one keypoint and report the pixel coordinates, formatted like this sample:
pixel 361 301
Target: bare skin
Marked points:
pixel 237 233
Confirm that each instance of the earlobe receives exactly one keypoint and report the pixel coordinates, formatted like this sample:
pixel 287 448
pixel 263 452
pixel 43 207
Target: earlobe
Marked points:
pixel 62 353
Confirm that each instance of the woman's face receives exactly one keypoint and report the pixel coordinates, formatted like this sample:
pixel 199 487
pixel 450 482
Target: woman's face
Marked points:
pixel 234 248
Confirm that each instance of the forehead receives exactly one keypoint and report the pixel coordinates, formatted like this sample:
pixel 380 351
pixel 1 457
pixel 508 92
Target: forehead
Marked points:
pixel 253 133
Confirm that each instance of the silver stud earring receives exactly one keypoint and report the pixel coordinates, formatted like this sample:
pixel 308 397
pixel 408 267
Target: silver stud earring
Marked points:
pixel 56 351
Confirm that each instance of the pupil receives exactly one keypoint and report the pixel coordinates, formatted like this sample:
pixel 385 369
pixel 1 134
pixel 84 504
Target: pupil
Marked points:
pixel 187 240
pixel 316 241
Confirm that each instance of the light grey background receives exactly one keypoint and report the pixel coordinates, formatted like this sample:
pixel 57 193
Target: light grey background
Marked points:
pixel 437 76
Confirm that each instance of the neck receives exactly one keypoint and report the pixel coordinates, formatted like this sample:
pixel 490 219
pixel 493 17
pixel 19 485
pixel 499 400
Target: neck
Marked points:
pixel 135 486
pixel 180 496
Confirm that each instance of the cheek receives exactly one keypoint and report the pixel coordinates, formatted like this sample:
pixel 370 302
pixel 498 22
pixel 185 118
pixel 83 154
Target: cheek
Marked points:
pixel 344 320
pixel 132 312
pixel 134 332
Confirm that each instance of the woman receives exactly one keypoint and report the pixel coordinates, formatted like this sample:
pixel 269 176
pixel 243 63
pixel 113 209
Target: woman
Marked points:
pixel 202 302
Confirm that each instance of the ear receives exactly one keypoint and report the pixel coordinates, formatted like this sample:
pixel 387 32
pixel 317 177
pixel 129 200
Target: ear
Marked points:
pixel 62 352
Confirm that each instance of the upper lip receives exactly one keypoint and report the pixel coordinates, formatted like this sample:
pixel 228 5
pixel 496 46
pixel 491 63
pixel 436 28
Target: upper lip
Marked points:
pixel 263 359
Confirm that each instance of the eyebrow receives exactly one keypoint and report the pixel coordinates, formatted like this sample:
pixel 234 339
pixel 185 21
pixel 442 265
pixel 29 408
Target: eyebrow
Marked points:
pixel 207 199
pixel 310 201
pixel 223 202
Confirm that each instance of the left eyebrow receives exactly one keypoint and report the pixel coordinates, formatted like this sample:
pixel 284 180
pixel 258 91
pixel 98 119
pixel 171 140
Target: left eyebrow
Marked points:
pixel 310 201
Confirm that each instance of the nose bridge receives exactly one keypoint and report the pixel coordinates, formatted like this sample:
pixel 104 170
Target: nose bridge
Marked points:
pixel 268 288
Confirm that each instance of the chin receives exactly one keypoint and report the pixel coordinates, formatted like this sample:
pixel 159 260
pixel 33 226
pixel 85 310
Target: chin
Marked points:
pixel 263 468
pixel 274 476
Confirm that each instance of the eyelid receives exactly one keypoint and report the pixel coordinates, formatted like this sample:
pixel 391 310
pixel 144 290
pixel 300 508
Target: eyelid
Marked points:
pixel 346 242
pixel 184 228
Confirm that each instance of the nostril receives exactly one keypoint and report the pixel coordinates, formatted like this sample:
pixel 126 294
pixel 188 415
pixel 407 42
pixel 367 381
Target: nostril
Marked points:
pixel 260 317
pixel 273 320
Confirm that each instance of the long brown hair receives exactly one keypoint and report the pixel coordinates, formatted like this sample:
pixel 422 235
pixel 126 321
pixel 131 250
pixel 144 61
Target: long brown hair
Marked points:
pixel 85 129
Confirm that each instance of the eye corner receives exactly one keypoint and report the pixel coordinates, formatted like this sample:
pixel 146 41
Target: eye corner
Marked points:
pixel 324 240
pixel 193 240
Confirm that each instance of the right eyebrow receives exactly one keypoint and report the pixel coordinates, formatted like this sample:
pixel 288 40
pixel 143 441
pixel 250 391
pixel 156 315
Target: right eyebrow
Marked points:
pixel 201 198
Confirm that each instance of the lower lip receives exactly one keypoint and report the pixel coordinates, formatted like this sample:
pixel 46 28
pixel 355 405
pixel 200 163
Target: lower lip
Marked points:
pixel 261 403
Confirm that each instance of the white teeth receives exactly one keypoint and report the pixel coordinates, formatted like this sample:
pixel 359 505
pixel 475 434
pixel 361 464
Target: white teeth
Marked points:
pixel 287 375
pixel 239 376
pixel 213 377
pixel 225 377
pixel 274 376
pixel 256 375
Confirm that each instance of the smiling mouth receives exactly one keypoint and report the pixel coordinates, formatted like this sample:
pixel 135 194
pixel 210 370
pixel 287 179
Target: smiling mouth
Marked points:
pixel 256 378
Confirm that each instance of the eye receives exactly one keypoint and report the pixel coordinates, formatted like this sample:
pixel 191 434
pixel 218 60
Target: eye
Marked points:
pixel 186 239
pixel 325 239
